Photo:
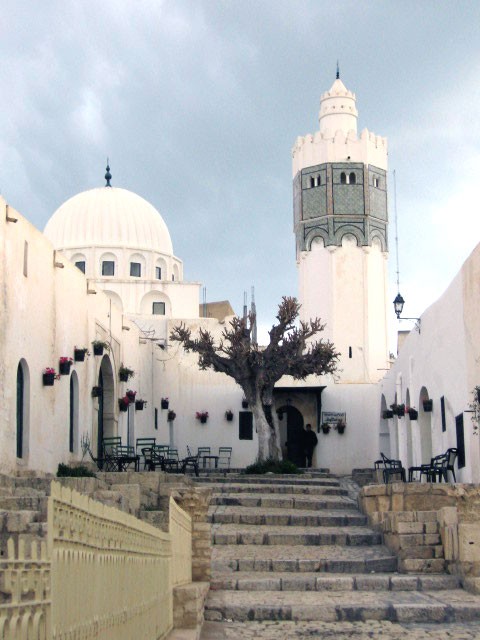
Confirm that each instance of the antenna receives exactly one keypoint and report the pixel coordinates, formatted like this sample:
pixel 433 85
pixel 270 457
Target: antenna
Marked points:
pixel 396 227
pixel 253 310
pixel 245 310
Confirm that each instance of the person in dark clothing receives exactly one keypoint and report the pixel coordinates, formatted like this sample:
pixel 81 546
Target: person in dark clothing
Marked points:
pixel 310 442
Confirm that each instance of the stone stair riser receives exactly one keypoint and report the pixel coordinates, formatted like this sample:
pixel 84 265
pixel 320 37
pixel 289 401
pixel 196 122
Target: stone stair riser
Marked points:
pixel 305 566
pixel 288 519
pixel 307 539
pixel 281 490
pixel 277 503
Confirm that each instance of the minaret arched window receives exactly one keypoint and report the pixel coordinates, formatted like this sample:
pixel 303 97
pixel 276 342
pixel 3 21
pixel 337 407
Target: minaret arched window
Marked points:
pixel 318 181
pixel 352 178
pixel 312 181
pixel 22 417
pixel 343 178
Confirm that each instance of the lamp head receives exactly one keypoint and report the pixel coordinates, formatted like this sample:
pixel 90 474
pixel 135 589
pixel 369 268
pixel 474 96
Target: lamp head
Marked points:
pixel 398 305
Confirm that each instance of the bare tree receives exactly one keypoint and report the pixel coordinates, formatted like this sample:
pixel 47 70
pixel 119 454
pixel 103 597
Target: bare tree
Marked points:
pixel 257 369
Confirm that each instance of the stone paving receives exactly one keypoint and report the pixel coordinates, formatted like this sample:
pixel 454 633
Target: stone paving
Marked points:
pixel 293 558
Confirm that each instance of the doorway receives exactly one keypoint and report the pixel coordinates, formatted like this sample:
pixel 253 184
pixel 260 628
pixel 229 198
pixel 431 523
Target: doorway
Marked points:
pixel 294 444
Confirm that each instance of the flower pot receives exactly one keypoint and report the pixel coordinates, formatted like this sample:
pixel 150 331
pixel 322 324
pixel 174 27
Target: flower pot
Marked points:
pixel 413 414
pixel 171 416
pixel 64 368
pixel 139 405
pixel 48 379
pixel 122 405
pixel 79 355
pixel 428 406
pixel 229 416
pixel 387 414
pixel 326 429
pixel 203 419
pixel 123 376
pixel 245 404
pixel 164 404
pixel 97 392
pixel 341 429
pixel 131 395
pixel 98 349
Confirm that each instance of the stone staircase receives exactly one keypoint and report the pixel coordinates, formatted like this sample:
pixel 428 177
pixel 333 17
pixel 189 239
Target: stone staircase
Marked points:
pixel 297 549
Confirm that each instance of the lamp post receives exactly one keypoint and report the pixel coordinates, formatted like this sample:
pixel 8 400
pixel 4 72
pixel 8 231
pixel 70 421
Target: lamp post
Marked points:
pixel 398 307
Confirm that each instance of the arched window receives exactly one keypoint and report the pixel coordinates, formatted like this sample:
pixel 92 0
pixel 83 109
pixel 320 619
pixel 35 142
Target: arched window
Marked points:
pixel 353 178
pixel 73 417
pixel 319 181
pixel 312 181
pixel 20 410
pixel 343 178
pixel 376 182
pixel 22 413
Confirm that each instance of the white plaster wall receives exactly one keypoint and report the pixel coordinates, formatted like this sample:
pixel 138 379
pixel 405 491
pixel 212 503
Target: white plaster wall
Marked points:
pixel 443 359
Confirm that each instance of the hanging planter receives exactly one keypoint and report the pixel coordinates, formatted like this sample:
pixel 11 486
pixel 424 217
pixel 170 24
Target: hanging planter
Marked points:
pixel 131 395
pixel 387 414
pixel 245 403
pixel 164 403
pixel 412 413
pixel 97 392
pixel 139 404
pixel 229 415
pixel 99 346
pixel 125 373
pixel 64 366
pixel 123 403
pixel 428 406
pixel 398 409
pixel 49 376
pixel 171 416
pixel 202 416
pixel 325 427
pixel 341 426
pixel 79 354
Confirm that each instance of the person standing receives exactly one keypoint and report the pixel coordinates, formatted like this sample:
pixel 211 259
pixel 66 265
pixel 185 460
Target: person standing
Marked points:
pixel 311 441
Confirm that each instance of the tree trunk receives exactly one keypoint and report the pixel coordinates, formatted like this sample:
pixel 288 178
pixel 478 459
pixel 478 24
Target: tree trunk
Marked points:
pixel 268 434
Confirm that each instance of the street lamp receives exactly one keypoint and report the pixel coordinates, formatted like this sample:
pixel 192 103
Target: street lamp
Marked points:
pixel 398 307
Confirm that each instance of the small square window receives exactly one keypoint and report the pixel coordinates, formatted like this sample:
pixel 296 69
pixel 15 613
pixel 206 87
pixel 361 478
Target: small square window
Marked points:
pixel 158 273
pixel 135 269
pixel 80 265
pixel 158 308
pixel 108 268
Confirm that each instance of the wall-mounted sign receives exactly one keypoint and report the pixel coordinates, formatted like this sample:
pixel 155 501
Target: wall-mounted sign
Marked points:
pixel 334 417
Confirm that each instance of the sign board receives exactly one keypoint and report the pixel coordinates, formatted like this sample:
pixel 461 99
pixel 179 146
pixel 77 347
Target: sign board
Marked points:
pixel 333 417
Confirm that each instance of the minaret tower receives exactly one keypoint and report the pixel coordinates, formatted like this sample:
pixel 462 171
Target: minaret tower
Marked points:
pixel 340 224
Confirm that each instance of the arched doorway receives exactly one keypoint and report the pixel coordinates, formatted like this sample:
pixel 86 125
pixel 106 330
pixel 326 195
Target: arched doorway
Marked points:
pixel 425 426
pixel 384 436
pixel 294 435
pixel 106 407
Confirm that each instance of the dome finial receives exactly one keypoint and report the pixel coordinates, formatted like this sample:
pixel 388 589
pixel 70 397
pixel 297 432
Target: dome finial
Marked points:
pixel 108 175
pixel 338 71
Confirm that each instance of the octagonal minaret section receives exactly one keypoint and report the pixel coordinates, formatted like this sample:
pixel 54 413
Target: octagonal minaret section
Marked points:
pixel 340 224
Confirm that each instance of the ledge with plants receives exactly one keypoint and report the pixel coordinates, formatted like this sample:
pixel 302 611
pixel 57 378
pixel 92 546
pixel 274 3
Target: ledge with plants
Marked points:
pixel 49 377
pixel 202 416
pixel 64 365
pixel 79 353
pixel 398 409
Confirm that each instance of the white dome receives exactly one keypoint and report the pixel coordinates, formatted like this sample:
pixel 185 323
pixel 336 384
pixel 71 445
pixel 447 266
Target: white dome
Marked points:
pixel 108 217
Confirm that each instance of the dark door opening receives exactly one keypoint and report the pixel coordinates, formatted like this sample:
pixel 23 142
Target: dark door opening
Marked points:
pixel 100 421
pixel 294 444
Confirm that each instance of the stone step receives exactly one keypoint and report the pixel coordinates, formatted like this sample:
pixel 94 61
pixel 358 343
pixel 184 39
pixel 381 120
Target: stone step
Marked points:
pixel 452 605
pixel 282 517
pixel 310 581
pixel 296 558
pixel 231 534
pixel 234 488
pixel 270 479
pixel 283 502
pixel 36 484
pixel 24 503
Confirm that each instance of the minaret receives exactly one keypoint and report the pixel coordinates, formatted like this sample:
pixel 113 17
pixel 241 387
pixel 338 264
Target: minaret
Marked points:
pixel 340 224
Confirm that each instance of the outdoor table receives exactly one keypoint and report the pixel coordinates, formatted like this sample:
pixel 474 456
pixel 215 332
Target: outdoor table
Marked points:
pixel 207 457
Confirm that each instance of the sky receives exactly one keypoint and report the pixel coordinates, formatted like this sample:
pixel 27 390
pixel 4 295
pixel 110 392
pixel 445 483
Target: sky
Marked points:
pixel 197 104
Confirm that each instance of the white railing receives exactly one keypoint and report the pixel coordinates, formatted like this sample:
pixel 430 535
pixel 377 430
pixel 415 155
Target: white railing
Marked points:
pixel 180 527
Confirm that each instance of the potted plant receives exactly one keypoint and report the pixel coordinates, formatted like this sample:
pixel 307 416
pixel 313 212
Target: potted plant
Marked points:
pixel 97 392
pixel 64 365
pixel 171 416
pixel 131 395
pixel 139 404
pixel 123 403
pixel 49 376
pixel 428 406
pixel 125 373
pixel 341 426
pixel 244 403
pixel 164 403
pixel 99 346
pixel 202 416
pixel 229 415
pixel 412 413
pixel 79 354
pixel 325 427
pixel 387 414
pixel 398 409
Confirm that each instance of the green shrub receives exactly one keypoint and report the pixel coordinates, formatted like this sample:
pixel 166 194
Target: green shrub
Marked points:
pixel 64 471
pixel 273 466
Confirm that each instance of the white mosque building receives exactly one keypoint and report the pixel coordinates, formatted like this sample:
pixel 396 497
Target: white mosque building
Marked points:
pixel 104 269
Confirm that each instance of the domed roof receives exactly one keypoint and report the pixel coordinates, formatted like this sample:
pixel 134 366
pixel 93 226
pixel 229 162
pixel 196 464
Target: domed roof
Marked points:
pixel 108 217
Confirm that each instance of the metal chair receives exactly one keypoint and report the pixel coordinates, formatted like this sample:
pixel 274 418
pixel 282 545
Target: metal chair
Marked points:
pixel 142 443
pixel 224 457
pixel 393 468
